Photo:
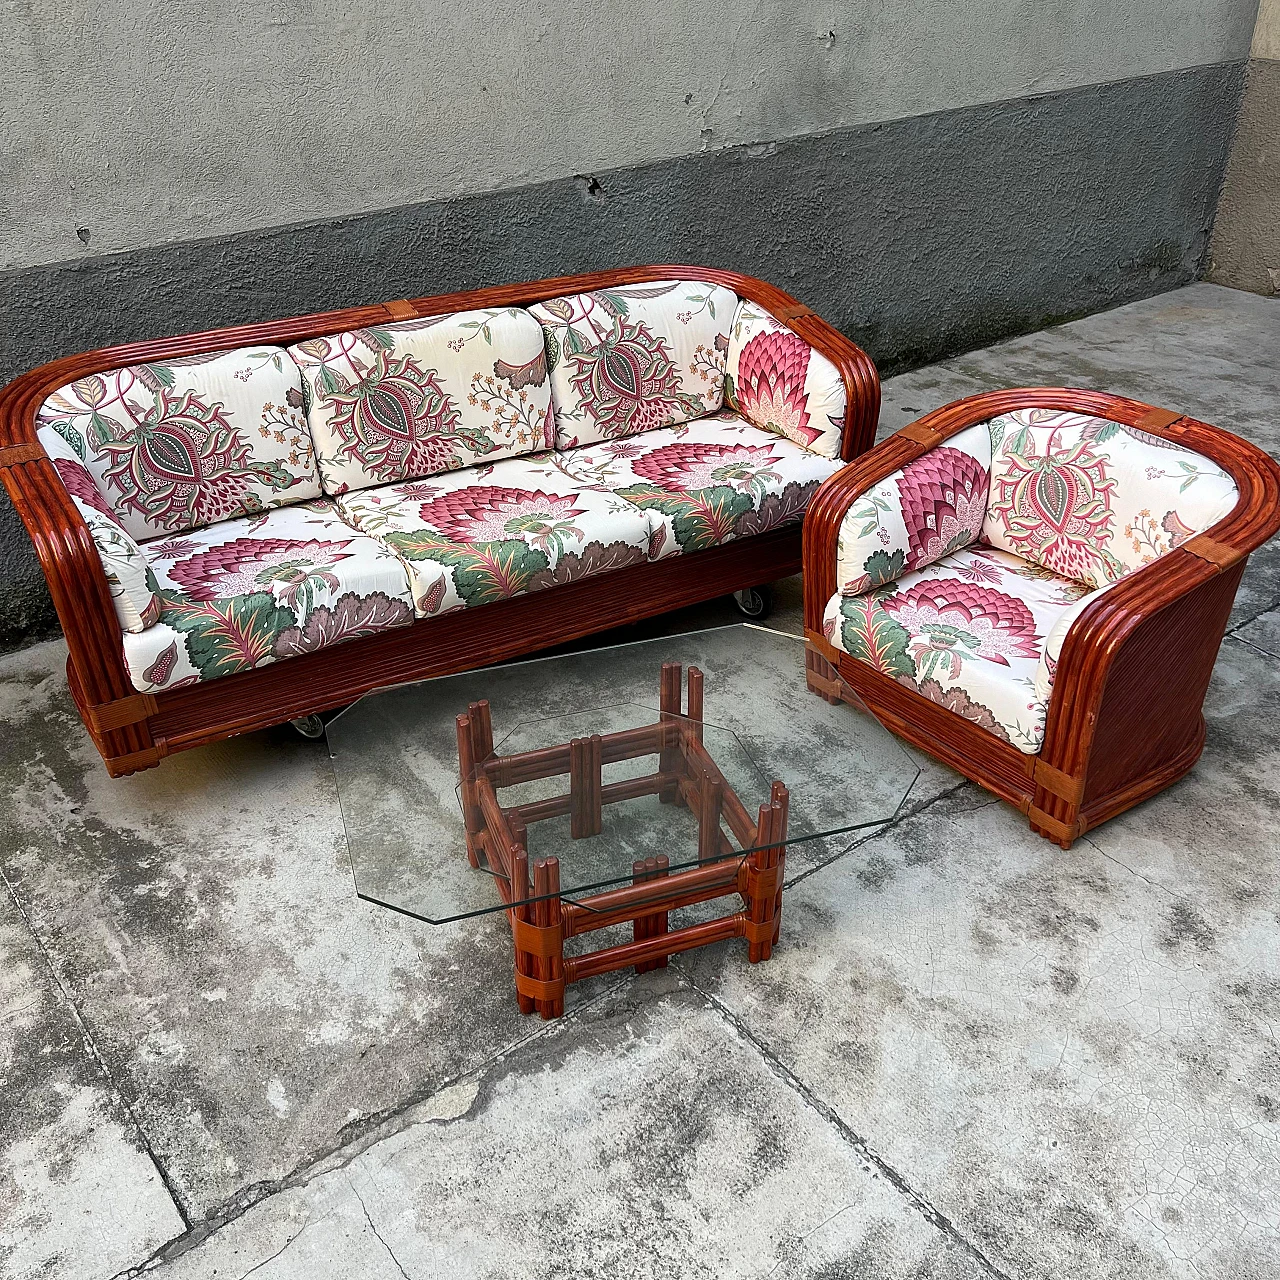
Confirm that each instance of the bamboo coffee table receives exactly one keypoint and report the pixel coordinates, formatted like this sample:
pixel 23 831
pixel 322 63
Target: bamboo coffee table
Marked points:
pixel 600 808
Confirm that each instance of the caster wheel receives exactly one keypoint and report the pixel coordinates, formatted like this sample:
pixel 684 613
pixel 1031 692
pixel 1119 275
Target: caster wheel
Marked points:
pixel 754 603
pixel 309 726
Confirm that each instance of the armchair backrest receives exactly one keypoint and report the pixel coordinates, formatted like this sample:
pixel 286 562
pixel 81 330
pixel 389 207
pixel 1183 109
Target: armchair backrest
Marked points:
pixel 1092 499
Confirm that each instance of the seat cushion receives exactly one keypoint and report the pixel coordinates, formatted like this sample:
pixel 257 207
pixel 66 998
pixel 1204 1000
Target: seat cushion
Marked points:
pixel 248 592
pixel 635 357
pixel 777 381
pixel 482 534
pixel 968 632
pixel 401 401
pixel 1092 499
pixel 705 482
pixel 179 445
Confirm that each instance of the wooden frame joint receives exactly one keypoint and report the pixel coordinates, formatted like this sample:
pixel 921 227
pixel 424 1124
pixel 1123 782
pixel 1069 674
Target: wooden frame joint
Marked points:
pixel 12 455
pixel 1054 827
pixel 401 309
pixel 123 711
pixel 921 434
pixel 1216 553
pixel 1065 786
pixel 1156 419
pixel 796 311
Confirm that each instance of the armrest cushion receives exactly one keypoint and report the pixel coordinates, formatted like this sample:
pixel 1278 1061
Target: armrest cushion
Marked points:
pixel 933 506
pixel 123 562
pixel 779 383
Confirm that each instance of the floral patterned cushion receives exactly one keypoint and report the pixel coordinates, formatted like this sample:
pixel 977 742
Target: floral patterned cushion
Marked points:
pixel 933 506
pixel 1094 500
pixel 401 401
pixel 704 482
pixel 968 632
pixel 250 591
pixel 777 381
pixel 635 357
pixel 123 561
pixel 177 445
pixel 482 534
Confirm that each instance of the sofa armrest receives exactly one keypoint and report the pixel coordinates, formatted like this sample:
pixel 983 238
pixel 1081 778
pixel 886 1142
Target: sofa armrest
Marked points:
pixel 64 547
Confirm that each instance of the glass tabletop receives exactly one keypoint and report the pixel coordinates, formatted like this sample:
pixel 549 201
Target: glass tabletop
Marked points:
pixel 613 765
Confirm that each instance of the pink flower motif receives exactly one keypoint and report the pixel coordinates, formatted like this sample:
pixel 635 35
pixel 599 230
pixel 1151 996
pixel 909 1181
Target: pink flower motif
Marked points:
pixel 952 620
pixel 944 500
pixel 770 384
pixel 684 466
pixel 489 513
pixel 173 548
pixel 418 492
pixel 253 564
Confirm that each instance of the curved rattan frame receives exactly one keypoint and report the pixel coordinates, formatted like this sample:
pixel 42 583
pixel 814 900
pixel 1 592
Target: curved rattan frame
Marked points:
pixel 1125 719
pixel 134 730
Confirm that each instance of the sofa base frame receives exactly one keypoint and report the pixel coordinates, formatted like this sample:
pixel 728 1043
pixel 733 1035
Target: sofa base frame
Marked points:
pixel 460 641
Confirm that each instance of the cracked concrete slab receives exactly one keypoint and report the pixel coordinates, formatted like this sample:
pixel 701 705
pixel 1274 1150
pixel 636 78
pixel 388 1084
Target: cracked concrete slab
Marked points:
pixel 1074 1054
pixel 643 1138
pixel 79 1194
pixel 1065 1060
pixel 251 1009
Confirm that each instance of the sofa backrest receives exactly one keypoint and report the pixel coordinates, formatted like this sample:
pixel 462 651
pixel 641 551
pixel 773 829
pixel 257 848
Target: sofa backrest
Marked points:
pixel 634 357
pixel 1092 499
pixel 779 383
pixel 414 398
pixel 176 445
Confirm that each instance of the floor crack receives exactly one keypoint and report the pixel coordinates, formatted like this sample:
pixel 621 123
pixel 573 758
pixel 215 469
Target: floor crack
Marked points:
pixel 95 1055
pixel 934 1216
pixel 338 1158
pixel 373 1227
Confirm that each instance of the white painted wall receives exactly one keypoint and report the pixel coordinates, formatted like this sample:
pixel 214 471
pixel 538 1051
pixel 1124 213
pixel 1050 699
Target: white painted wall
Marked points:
pixel 179 119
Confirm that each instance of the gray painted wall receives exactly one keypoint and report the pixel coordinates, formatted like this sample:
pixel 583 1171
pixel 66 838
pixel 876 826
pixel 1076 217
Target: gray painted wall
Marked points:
pixel 930 176
pixel 1245 249
pixel 138 124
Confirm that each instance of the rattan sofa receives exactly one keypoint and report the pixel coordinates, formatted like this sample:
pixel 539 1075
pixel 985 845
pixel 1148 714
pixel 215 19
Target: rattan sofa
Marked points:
pixel 1032 585
pixel 250 525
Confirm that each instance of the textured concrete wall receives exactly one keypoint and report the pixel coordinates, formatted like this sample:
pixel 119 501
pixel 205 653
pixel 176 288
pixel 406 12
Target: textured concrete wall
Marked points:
pixel 920 237
pixel 1245 249
pixel 131 124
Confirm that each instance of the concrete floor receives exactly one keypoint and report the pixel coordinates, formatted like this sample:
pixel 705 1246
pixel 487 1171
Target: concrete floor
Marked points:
pixel 973 1055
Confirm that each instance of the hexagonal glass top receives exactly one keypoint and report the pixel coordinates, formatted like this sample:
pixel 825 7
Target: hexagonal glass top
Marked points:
pixel 602 764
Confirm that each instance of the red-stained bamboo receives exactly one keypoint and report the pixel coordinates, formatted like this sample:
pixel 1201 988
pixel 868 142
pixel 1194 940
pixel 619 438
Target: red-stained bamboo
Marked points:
pixel 177 719
pixel 1125 718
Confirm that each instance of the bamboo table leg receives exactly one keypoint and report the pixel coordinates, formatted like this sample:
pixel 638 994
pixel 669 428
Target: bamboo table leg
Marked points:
pixel 657 923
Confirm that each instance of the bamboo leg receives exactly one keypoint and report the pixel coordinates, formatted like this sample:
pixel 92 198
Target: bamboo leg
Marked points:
pixel 710 805
pixel 522 911
pixel 669 702
pixel 780 796
pixel 655 923
pixel 471 818
pixel 546 881
pixel 585 802
pixel 696 683
pixel 764 859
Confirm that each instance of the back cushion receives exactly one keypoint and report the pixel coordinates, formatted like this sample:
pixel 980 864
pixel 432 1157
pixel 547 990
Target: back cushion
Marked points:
pixel 635 357
pixel 1092 499
pixel 190 441
pixel 779 383
pixel 401 401
pixel 913 517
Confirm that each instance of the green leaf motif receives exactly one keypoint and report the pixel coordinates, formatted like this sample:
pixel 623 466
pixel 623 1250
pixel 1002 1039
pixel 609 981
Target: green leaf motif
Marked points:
pixel 328 383
pixel 482 571
pixel 73 438
pixel 162 373
pixel 872 636
pixel 881 567
pixel 552 345
pixel 1105 432
pixel 701 518
pixel 226 636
